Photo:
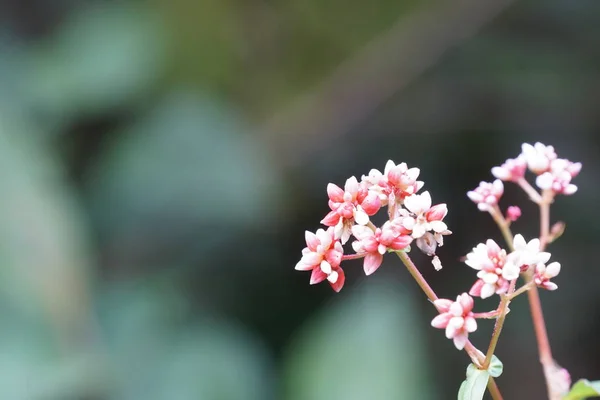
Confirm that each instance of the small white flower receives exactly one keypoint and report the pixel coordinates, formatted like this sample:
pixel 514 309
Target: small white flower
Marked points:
pixel 487 194
pixel 538 157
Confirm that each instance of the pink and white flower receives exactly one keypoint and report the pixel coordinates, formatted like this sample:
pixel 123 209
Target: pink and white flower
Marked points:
pixel 375 244
pixel 538 157
pixel 527 254
pixel 423 217
pixel 513 169
pixel 456 317
pixel 395 184
pixel 487 194
pixel 543 274
pixel 353 204
pixel 495 273
pixel 558 177
pixel 323 256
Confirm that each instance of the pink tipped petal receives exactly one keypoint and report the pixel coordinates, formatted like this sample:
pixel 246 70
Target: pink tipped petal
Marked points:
pixel 331 219
pixel 339 283
pixel 443 305
pixel 451 330
pixel 460 341
pixel 300 266
pixel 317 276
pixel 441 321
pixel 401 242
pixel 371 204
pixel 549 285
pixel 437 212
pixel 325 267
pixel 476 288
pixel 335 193
pixel 466 302
pixel 311 240
pixel 334 257
pixel 352 185
pixel 456 309
pixel 372 262
pixel 388 167
pixel 311 258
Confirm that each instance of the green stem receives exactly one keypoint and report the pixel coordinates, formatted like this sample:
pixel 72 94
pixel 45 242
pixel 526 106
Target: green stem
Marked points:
pixel 503 225
pixel 471 350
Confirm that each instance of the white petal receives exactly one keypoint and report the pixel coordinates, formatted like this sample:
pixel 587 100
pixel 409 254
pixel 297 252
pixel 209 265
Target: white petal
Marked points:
pixel 361 217
pixel 418 231
pixel 456 310
pixel 333 277
pixel 510 272
pixel 519 242
pixel 300 266
pixel 425 201
pixel 470 324
pixel 570 189
pixel 412 203
pixel 351 185
pixel 325 267
pixel 474 196
pixel 460 341
pixel 487 291
pixel 437 264
pixel 501 173
pixel 388 166
pixel 413 173
pixel 357 246
pixel 489 278
pixel 552 269
pixel 545 180
pixel 438 226
pixel 381 249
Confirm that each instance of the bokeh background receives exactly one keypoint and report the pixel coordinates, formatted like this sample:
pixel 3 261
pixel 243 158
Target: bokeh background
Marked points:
pixel 161 159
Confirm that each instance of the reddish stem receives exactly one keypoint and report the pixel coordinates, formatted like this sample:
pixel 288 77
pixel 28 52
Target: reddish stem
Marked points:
pixel 352 256
pixel 476 356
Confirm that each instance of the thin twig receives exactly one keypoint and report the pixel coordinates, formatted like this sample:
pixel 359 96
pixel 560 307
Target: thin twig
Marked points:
pixel 476 355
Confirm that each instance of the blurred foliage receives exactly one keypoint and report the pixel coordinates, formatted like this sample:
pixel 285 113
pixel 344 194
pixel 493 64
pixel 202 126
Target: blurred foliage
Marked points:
pixel 149 224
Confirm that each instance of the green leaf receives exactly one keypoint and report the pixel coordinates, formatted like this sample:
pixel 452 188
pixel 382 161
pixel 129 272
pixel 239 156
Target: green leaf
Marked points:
pixel 583 389
pixel 496 367
pixel 473 388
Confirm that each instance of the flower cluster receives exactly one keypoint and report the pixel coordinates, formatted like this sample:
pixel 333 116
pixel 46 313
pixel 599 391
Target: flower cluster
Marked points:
pixel 411 217
pixel 497 268
pixel 457 318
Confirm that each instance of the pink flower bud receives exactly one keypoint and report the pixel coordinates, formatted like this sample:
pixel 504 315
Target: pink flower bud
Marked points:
pixel 371 204
pixel 513 213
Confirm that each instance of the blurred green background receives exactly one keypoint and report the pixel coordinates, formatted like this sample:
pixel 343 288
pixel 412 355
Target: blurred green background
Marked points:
pixel 161 159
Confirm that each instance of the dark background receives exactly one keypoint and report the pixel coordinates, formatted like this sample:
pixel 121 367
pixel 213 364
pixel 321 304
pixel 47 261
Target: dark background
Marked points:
pixel 160 161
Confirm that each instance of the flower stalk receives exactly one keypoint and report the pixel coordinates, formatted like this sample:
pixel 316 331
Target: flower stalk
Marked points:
pixel 413 219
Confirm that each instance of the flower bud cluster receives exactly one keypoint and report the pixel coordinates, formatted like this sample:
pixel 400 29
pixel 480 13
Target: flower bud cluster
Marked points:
pixel 411 217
